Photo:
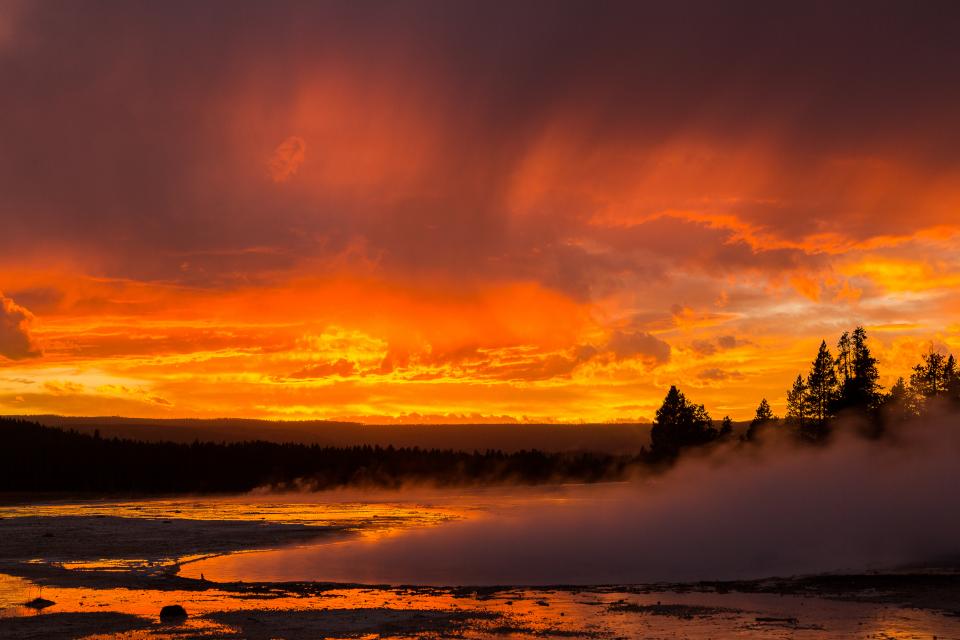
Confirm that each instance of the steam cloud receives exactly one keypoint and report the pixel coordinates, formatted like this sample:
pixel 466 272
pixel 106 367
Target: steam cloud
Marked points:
pixel 780 510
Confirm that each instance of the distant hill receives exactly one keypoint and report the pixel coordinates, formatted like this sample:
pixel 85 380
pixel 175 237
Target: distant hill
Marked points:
pixel 626 438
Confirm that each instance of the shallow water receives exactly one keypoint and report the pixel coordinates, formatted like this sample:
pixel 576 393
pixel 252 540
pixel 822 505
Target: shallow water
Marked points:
pixel 449 538
pixel 307 509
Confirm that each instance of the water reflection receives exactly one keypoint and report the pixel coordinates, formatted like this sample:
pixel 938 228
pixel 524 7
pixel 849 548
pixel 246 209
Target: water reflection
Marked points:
pixel 303 509
pixel 419 529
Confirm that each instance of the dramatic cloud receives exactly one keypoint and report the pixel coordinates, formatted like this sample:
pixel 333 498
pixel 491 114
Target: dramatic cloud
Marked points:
pixel 486 193
pixel 15 340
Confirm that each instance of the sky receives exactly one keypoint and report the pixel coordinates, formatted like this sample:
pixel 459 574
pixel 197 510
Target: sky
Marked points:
pixel 468 211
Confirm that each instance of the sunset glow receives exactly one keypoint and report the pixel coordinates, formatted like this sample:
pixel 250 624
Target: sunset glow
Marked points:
pixel 343 214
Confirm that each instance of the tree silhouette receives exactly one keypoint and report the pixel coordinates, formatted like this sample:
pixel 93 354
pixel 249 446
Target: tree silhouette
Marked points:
pixel 929 377
pixel 901 404
pixel 38 458
pixel 679 424
pixel 798 408
pixel 763 416
pixel 952 374
pixel 844 359
pixel 821 386
pixel 936 378
pixel 857 375
pixel 726 427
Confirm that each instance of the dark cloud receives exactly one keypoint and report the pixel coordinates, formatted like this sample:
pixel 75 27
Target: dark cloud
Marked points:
pixel 135 134
pixel 15 340
pixel 38 299
pixel 715 375
pixel 730 342
pixel 632 344
pixel 703 347
pixel 708 347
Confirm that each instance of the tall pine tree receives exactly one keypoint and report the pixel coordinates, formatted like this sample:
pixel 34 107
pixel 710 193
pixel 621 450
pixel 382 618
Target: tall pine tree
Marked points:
pixel 901 404
pixel 937 377
pixel 679 424
pixel 798 409
pixel 821 385
pixel 844 359
pixel 929 378
pixel 857 375
pixel 763 416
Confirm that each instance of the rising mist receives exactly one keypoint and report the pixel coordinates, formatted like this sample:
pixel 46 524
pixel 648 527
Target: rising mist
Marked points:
pixel 736 512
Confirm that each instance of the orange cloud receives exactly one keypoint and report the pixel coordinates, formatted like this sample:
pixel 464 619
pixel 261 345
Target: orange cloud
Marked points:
pixel 548 228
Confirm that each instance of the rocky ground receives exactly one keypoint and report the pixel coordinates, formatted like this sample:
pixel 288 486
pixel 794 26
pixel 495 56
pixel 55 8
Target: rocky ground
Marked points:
pixel 75 538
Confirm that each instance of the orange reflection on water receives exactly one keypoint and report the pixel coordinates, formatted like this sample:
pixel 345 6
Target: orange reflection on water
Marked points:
pixel 305 509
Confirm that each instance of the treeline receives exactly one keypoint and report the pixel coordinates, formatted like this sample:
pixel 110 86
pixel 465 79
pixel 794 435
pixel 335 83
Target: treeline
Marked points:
pixel 37 458
pixel 842 386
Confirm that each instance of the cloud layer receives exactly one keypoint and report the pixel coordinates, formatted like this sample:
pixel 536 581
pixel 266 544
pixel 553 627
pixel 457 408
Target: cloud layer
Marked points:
pixel 580 203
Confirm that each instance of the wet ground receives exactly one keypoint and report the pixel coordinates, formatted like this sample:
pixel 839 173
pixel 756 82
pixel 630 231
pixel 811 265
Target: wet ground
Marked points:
pixel 108 568
pixel 301 611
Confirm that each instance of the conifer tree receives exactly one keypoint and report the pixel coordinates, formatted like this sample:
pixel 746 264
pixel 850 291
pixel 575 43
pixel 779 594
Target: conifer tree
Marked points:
pixel 844 359
pixel 764 415
pixel 798 410
pixel 865 371
pixel 952 375
pixel 679 424
pixel 929 378
pixel 901 403
pixel 726 427
pixel 937 376
pixel 858 387
pixel 821 385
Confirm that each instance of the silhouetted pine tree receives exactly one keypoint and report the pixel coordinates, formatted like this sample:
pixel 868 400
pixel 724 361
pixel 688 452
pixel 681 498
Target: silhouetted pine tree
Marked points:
pixel 952 373
pixel 763 416
pixel 679 424
pixel 726 427
pixel 844 359
pixel 798 407
pixel 821 386
pixel 857 375
pixel 935 378
pixel 901 404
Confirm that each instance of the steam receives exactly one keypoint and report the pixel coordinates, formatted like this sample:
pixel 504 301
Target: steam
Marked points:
pixel 775 510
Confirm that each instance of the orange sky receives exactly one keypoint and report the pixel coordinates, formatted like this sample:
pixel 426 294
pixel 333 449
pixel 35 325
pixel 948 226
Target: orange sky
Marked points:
pixel 461 211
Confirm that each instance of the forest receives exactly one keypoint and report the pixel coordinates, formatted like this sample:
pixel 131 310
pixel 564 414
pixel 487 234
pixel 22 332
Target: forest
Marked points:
pixel 36 458
pixel 838 389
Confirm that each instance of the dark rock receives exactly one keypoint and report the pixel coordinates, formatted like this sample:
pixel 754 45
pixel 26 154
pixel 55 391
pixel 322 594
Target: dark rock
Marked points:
pixel 39 603
pixel 173 614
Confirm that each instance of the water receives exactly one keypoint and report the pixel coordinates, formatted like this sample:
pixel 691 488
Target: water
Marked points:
pixel 551 535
